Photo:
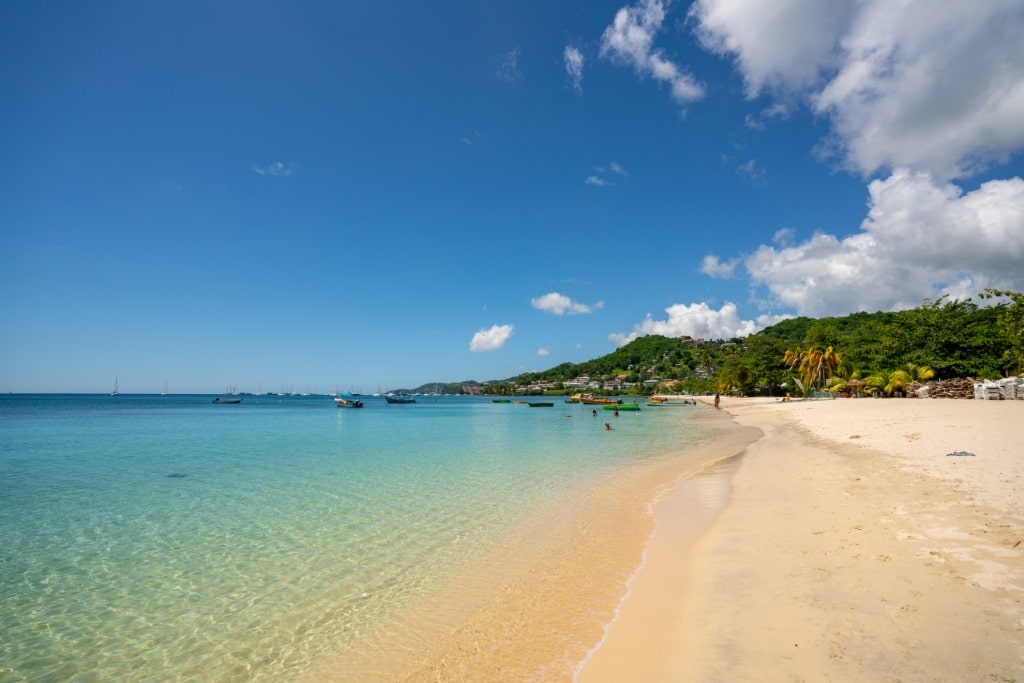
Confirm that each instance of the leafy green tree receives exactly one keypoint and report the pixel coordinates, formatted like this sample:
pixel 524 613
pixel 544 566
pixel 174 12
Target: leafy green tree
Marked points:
pixel 823 333
pixel 1010 321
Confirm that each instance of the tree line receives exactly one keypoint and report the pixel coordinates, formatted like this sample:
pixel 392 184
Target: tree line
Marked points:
pixel 883 351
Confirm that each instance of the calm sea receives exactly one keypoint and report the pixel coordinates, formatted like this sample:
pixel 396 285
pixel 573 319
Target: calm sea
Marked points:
pixel 170 538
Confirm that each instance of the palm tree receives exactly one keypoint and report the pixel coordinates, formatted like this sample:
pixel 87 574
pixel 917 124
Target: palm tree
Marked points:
pixel 841 378
pixel 888 382
pixel 795 358
pixel 919 373
pixel 814 366
pixel 825 364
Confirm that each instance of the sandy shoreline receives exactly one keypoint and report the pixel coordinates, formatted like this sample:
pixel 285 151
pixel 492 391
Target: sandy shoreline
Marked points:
pixel 852 548
pixel 538 604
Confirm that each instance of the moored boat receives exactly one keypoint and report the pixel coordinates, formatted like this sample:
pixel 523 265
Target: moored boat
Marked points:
pixel 226 400
pixel 399 398
pixel 670 400
pixel 342 402
pixel 623 406
pixel 542 404
pixel 590 399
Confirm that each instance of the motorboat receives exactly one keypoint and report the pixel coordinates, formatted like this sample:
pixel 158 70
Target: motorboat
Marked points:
pixel 342 402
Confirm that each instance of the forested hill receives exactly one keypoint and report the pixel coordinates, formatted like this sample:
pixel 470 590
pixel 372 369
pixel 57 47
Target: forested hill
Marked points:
pixel 954 338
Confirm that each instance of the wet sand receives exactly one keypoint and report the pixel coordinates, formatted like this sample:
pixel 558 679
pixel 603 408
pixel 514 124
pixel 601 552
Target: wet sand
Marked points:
pixel 539 606
pixel 853 547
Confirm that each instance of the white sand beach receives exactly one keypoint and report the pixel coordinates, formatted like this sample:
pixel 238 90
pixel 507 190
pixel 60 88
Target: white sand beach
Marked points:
pixel 853 547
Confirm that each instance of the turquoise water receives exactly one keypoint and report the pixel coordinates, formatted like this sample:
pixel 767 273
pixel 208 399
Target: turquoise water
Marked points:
pixel 169 538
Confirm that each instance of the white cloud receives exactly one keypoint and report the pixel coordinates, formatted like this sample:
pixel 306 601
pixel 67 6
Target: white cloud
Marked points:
pixel 574 67
pixel 491 339
pixel 630 40
pixel 699 321
pixel 936 87
pixel 751 170
pixel 600 180
pixel 559 304
pixel 277 169
pixel 778 46
pixel 712 266
pixel 508 70
pixel 921 239
pixel 784 236
pixel 543 351
pixel 613 167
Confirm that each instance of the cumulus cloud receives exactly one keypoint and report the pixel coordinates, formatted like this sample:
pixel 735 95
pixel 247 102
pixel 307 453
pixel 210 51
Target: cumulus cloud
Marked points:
pixel 936 87
pixel 699 321
pixel 630 40
pixel 713 267
pixel 277 169
pixel 491 339
pixel 574 67
pixel 543 351
pixel 596 180
pixel 560 304
pixel 921 239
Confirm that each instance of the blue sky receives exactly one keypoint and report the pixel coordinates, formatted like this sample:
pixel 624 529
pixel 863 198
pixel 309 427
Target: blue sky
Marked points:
pixel 316 196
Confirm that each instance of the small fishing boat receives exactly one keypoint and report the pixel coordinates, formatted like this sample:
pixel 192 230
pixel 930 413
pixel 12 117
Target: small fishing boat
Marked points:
pixel 226 400
pixel 399 398
pixel 542 404
pixel 501 400
pixel 623 407
pixel 661 400
pixel 590 399
pixel 347 403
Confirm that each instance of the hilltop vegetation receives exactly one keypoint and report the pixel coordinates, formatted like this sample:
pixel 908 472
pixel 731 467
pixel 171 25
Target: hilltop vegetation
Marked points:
pixel 948 339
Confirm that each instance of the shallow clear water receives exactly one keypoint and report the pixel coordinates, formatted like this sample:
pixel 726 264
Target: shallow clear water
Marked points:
pixel 166 537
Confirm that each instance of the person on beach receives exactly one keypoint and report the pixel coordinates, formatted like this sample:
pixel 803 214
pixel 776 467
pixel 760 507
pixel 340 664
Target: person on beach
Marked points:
pixel 607 427
pixel 718 399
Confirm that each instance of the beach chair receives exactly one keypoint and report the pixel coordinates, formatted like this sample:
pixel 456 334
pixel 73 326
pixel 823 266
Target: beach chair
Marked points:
pixel 993 392
pixel 1008 388
pixel 987 390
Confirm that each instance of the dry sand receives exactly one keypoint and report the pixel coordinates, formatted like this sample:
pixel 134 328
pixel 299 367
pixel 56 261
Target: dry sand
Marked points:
pixel 853 548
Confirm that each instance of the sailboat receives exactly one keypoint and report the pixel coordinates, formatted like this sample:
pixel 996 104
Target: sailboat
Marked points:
pixel 164 392
pixel 114 392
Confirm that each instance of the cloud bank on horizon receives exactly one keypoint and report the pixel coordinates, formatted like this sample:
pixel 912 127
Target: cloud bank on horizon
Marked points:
pixel 924 94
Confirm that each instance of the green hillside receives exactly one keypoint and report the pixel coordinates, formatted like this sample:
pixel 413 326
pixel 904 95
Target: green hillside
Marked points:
pixel 951 339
